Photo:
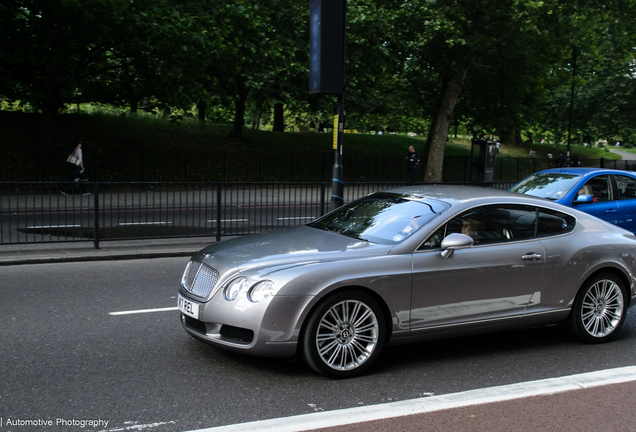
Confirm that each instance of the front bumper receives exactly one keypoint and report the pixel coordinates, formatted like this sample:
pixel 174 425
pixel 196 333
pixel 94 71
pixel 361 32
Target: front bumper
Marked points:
pixel 270 328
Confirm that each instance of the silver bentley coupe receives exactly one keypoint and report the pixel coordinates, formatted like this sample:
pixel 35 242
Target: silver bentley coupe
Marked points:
pixel 405 265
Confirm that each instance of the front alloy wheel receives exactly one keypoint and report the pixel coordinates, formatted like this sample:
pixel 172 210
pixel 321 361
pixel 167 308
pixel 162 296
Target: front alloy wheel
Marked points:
pixel 599 309
pixel 344 335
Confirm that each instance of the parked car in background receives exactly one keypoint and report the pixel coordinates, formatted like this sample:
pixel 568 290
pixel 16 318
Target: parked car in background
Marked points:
pixel 407 265
pixel 605 193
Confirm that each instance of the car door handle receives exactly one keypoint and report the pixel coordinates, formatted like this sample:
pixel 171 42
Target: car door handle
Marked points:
pixel 531 257
pixel 611 211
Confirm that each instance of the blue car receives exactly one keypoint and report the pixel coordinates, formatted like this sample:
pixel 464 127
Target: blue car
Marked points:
pixel 605 193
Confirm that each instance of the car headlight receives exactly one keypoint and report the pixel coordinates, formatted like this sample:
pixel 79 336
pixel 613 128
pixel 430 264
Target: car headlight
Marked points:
pixel 262 291
pixel 235 288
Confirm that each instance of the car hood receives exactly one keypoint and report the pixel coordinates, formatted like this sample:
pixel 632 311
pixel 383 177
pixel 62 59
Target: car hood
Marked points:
pixel 288 246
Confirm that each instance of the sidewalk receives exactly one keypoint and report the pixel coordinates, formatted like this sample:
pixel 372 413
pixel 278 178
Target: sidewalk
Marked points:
pixel 42 253
pixel 624 155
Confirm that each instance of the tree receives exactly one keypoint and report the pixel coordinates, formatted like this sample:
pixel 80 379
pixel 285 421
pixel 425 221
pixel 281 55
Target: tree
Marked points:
pixel 605 81
pixel 267 42
pixel 50 50
pixel 434 46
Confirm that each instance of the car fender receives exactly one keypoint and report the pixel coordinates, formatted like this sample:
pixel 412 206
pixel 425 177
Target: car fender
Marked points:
pixel 388 278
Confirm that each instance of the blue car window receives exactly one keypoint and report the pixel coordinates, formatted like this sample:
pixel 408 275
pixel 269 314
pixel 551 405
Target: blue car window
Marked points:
pixel 552 186
pixel 599 188
pixel 626 187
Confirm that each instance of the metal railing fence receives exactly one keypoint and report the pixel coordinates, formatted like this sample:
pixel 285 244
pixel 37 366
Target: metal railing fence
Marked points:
pixel 36 212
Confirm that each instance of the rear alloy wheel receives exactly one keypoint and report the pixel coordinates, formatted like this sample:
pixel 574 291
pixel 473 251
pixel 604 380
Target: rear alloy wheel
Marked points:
pixel 344 335
pixel 599 309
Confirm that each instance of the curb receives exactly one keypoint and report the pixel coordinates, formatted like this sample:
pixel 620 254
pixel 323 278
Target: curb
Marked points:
pixel 87 258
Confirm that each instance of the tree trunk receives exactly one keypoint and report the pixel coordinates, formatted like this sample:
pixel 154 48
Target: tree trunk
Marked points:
pixel 442 123
pixel 134 106
pixel 201 111
pixel 279 120
pixel 513 139
pixel 239 109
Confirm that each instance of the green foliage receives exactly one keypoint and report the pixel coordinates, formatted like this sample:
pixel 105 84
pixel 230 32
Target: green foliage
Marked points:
pixel 510 62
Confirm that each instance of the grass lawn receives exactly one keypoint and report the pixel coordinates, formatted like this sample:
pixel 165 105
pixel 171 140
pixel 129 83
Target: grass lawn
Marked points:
pixel 27 131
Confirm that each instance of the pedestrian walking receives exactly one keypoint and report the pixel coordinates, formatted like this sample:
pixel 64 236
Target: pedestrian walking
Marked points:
pixel 413 162
pixel 75 164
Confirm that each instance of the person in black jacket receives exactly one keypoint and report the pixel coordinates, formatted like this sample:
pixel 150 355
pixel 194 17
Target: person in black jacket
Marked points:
pixel 413 162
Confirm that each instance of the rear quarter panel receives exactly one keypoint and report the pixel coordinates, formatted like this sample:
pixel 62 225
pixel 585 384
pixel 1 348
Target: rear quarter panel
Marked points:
pixel 571 259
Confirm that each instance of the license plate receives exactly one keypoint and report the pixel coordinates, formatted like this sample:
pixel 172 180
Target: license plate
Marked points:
pixel 188 307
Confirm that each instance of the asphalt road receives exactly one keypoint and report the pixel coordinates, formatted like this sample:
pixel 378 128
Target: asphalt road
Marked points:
pixel 27 225
pixel 65 356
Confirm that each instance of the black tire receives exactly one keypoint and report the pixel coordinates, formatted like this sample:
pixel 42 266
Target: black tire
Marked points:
pixel 599 309
pixel 344 335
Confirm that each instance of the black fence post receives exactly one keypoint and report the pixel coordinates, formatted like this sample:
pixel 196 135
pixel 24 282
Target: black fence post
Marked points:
pixel 323 189
pixel 96 219
pixel 602 162
pixel 218 212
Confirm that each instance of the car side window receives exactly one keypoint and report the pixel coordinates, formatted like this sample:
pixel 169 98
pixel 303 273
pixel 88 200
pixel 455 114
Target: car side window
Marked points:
pixel 599 188
pixel 491 224
pixel 553 223
pixel 626 187
pixel 434 241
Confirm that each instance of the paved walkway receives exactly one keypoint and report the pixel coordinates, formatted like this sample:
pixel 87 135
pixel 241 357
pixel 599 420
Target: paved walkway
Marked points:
pixel 39 253
pixel 625 155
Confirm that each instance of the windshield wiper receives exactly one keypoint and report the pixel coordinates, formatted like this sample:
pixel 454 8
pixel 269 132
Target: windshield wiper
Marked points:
pixel 345 233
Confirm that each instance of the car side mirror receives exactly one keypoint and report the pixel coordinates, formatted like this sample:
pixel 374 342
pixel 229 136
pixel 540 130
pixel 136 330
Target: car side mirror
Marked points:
pixel 582 199
pixel 453 242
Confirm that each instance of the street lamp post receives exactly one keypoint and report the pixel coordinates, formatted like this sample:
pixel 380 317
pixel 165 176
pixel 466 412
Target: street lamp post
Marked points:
pixel 574 55
pixel 337 183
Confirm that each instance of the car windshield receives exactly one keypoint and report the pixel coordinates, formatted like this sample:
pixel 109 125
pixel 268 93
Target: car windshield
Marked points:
pixel 553 186
pixel 384 218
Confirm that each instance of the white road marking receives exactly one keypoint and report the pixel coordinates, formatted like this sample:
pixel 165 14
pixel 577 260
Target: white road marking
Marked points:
pixel 53 226
pixel 144 223
pixel 229 220
pixel 140 311
pixel 294 218
pixel 347 416
pixel 135 426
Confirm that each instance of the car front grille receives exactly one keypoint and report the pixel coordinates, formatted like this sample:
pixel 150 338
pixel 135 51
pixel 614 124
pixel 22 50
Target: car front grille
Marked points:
pixel 236 334
pixel 199 279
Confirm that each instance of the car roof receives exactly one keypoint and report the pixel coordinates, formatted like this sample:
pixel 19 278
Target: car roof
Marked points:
pixel 585 171
pixel 455 194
